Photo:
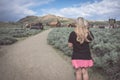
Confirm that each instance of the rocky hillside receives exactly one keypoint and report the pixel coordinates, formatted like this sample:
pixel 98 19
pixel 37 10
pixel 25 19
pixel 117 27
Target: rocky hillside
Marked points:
pixel 45 19
pixel 29 19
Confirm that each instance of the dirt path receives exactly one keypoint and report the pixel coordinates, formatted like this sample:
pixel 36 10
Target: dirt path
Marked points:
pixel 34 59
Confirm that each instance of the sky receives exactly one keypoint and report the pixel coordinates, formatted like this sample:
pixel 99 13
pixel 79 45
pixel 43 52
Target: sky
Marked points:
pixel 13 10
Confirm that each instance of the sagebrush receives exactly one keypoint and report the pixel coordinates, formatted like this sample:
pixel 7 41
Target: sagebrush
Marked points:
pixel 105 48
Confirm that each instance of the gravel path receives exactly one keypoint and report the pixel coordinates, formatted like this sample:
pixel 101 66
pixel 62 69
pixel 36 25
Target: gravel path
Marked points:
pixel 34 59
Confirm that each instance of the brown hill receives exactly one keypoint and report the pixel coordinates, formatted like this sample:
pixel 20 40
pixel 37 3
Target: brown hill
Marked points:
pixel 29 19
pixel 46 19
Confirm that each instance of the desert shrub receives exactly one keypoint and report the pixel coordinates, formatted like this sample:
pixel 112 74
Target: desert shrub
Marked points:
pixel 47 27
pixel 58 37
pixel 24 32
pixel 107 52
pixel 6 40
pixel 105 48
pixel 9 35
pixel 110 65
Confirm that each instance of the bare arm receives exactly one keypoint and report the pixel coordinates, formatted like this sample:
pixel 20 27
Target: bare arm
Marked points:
pixel 70 45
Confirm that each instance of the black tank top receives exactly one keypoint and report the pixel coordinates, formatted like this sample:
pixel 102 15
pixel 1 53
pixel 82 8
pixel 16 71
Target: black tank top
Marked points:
pixel 80 51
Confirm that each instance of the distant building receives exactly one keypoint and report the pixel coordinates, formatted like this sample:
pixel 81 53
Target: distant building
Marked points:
pixel 112 23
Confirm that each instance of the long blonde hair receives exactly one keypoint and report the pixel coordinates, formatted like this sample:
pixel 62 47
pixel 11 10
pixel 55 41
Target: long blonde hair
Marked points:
pixel 81 30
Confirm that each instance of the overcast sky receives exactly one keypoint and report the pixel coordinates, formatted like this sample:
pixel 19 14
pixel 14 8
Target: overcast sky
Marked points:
pixel 13 10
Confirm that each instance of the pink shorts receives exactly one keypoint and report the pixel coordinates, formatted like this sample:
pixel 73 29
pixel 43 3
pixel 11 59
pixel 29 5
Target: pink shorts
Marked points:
pixel 82 63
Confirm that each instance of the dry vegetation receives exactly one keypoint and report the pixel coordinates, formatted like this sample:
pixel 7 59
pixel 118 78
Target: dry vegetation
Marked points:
pixel 105 49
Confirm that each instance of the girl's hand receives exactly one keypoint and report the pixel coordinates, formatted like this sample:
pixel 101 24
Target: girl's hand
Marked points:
pixel 70 45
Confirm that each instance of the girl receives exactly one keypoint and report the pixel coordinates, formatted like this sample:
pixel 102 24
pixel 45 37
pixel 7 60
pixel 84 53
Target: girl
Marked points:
pixel 79 40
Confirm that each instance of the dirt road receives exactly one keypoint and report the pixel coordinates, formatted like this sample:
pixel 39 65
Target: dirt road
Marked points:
pixel 34 59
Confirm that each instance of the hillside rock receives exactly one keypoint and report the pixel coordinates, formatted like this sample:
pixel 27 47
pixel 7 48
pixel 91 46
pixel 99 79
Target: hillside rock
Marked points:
pixel 47 19
pixel 30 19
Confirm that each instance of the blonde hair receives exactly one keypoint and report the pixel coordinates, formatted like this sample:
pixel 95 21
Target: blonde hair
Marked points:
pixel 81 30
